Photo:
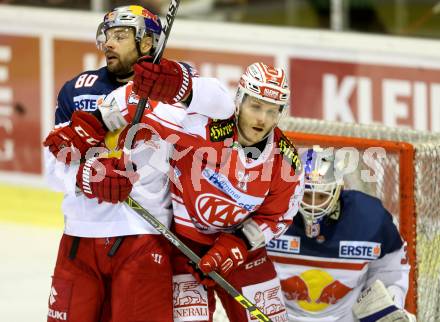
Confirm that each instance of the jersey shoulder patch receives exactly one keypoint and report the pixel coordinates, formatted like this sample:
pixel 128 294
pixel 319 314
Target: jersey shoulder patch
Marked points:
pixel 288 151
pixel 220 130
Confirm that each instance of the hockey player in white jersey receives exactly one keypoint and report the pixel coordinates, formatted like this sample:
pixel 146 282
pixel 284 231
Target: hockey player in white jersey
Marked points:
pixel 343 259
pixel 112 265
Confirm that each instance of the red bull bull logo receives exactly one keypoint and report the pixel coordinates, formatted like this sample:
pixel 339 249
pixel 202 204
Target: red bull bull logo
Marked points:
pixel 359 249
pixel 314 290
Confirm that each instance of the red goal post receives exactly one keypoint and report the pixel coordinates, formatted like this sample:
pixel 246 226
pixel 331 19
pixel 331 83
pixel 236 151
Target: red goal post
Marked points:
pixel 408 181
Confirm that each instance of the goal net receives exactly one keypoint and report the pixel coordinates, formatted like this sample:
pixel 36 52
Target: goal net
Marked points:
pixel 402 168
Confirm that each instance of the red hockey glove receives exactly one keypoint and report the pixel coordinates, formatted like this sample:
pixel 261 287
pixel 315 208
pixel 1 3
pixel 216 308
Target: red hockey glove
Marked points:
pixel 201 278
pixel 109 180
pixel 227 253
pixel 167 82
pixel 73 141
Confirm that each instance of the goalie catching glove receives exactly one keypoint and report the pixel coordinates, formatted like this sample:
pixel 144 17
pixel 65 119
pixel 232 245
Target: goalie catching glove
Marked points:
pixel 376 305
pixel 72 142
pixel 168 82
pixel 109 180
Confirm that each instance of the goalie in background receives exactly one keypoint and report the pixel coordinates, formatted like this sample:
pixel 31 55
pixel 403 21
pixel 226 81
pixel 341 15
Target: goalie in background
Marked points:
pixel 344 242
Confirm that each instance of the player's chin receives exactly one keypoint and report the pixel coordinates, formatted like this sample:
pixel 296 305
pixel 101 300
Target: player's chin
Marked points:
pixel 255 138
pixel 113 65
pixel 258 135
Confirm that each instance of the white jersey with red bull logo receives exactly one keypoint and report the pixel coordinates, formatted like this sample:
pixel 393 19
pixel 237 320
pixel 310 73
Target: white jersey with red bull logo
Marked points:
pixel 322 278
pixel 215 187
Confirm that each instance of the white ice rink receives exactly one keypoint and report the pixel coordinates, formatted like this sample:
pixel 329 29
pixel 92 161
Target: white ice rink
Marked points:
pixel 27 259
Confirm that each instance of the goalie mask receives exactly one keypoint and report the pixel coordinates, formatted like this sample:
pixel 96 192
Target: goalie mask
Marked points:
pixel 141 20
pixel 266 83
pixel 322 188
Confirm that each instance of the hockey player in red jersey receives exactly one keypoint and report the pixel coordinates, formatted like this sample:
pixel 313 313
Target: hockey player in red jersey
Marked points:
pixel 343 259
pixel 236 186
pixel 112 264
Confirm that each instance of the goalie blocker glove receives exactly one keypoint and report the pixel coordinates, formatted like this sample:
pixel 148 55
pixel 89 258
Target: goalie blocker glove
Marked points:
pixel 376 305
pixel 71 142
pixel 168 82
pixel 107 179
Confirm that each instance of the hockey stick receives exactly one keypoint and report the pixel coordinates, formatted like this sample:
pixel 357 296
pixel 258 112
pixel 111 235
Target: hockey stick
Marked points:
pixel 153 221
pixel 171 15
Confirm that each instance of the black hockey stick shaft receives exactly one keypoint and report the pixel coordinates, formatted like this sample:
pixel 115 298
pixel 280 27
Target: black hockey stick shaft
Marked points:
pixel 171 15
pixel 153 221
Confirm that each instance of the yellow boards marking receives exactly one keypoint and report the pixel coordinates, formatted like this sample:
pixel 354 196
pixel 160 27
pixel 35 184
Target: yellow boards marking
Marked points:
pixel 30 206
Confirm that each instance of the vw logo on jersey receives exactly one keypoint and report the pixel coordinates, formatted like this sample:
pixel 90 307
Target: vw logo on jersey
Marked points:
pixel 359 249
pixel 217 211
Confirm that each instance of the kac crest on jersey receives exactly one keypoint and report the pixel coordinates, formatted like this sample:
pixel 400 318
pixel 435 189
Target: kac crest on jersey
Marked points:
pixel 217 211
pixel 220 130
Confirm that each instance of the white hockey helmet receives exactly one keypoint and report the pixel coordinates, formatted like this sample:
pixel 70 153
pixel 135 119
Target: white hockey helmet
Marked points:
pixel 264 82
pixel 322 188
pixel 140 19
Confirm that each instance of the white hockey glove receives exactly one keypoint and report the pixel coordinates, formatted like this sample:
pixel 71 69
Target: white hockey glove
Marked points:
pixel 376 305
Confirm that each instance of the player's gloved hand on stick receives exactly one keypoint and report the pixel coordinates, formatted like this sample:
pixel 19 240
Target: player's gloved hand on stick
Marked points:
pixel 167 82
pixel 72 141
pixel 227 253
pixel 200 277
pixel 107 179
